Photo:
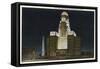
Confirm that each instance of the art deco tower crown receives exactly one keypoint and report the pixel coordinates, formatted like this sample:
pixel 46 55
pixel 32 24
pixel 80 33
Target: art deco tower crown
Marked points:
pixel 64 26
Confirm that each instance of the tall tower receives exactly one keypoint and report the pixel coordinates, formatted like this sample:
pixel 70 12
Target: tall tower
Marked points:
pixel 63 31
pixel 64 25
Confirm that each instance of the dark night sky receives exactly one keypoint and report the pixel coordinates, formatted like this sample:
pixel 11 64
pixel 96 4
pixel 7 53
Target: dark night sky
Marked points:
pixel 38 22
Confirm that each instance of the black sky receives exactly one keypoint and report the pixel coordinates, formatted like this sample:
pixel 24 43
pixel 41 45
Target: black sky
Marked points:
pixel 39 22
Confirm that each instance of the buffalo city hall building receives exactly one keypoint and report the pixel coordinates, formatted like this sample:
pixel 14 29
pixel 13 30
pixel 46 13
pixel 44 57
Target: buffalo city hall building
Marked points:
pixel 63 44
